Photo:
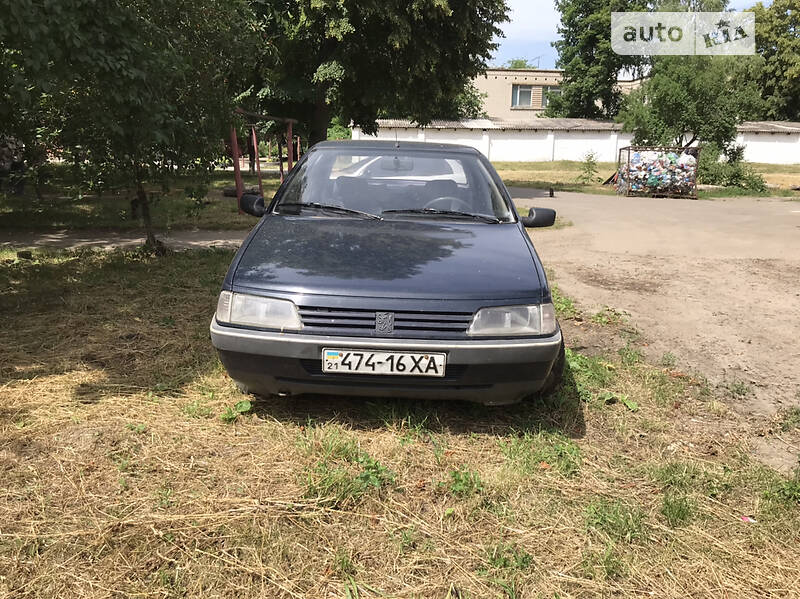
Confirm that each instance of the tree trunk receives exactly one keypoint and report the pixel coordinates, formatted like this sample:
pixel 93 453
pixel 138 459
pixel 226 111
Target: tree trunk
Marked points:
pixel 142 200
pixel 134 206
pixel 320 119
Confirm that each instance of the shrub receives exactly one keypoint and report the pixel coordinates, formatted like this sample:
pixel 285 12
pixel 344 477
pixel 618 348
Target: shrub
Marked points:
pixel 731 171
pixel 588 169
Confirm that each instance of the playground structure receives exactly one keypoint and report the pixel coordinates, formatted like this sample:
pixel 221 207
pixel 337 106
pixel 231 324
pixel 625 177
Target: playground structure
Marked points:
pixel 293 144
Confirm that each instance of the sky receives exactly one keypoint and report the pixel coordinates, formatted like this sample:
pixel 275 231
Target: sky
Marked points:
pixel 533 27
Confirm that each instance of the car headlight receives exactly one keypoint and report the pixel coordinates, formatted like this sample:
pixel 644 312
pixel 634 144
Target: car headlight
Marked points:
pixel 514 320
pixel 255 311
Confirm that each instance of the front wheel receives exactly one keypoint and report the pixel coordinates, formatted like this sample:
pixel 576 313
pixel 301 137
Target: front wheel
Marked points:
pixel 553 379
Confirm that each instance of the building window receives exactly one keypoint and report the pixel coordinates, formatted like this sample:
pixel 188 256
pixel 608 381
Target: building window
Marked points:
pixel 521 95
pixel 548 91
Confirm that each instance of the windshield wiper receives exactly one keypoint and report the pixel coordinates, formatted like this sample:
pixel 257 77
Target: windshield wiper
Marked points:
pixel 332 208
pixel 434 212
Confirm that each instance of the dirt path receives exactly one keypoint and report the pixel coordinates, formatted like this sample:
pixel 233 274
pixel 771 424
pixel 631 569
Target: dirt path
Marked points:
pixel 717 284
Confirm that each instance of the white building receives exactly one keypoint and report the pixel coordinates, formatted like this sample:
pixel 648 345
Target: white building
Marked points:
pixel 542 139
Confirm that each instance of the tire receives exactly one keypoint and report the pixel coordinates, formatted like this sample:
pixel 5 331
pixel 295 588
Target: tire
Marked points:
pixel 553 379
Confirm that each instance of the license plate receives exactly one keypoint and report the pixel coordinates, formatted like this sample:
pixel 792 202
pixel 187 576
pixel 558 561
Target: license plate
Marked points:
pixel 366 361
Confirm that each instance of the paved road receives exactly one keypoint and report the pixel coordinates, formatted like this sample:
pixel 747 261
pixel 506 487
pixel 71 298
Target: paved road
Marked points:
pixel 716 283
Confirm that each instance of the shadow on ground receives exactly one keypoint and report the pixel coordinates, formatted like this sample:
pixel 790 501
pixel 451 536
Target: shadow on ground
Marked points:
pixel 562 411
pixel 100 323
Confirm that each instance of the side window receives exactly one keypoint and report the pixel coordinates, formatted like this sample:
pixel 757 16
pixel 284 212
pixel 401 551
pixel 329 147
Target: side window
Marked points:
pixel 521 95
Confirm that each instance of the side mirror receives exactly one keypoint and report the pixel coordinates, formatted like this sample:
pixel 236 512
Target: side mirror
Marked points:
pixel 539 217
pixel 252 204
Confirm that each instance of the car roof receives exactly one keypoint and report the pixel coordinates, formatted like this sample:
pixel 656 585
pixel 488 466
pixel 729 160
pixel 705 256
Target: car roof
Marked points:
pixel 373 144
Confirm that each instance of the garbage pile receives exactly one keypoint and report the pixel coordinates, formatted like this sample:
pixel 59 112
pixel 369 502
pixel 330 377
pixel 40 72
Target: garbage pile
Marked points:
pixel 658 172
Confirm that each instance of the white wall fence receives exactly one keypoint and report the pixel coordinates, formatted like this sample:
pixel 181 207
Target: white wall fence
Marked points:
pixel 537 145
pixel 770 148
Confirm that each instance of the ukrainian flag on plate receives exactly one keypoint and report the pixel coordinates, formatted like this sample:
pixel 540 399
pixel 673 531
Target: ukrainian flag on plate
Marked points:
pixel 332 355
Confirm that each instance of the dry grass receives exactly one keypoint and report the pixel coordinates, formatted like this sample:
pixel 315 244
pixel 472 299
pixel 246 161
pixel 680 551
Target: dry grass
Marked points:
pixel 782 175
pixel 120 478
pixel 561 175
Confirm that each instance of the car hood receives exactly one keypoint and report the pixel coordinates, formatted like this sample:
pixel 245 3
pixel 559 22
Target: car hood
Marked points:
pixel 390 258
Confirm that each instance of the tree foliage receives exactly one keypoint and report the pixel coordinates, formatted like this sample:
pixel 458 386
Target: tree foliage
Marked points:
pixel 693 98
pixel 357 58
pixel 591 67
pixel 778 43
pixel 466 105
pixel 520 63
pixel 132 87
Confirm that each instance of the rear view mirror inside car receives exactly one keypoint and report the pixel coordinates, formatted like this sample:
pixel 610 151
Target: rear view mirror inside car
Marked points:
pixel 397 164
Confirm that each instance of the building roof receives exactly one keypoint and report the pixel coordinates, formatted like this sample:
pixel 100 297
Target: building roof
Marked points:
pixel 769 127
pixel 510 70
pixel 538 124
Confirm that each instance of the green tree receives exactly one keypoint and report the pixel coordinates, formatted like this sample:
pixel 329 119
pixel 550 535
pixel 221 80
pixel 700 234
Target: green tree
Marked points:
pixel 133 88
pixel 357 58
pixel 591 67
pixel 466 105
pixel 778 43
pixel 693 98
pixel 520 63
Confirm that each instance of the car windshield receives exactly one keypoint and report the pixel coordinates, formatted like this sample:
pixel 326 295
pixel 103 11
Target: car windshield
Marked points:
pixel 395 183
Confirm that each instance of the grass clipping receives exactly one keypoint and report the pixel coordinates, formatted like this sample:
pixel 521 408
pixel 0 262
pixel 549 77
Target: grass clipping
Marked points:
pixel 132 467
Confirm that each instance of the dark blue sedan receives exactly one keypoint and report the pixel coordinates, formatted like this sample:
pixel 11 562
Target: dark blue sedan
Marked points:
pixel 390 269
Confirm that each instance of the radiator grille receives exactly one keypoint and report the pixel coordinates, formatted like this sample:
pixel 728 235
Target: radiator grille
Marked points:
pixel 362 323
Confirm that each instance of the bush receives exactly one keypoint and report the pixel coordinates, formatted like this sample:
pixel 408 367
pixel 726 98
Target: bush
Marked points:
pixel 732 171
pixel 588 169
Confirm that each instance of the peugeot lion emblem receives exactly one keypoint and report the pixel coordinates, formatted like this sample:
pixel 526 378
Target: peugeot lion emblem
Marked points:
pixel 384 322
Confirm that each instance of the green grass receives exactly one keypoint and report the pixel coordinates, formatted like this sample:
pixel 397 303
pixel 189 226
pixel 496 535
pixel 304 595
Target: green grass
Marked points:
pixel 630 355
pixel 738 389
pixel 587 376
pixel 534 452
pixel 504 556
pixel 608 316
pixel 677 509
pixel 187 204
pixel 564 305
pixel 668 360
pixel 616 520
pixel 343 472
pixel 560 175
pixel 786 491
pixel 567 495
pixel 605 563
pixel 463 483
pixel 790 419
pixel 678 475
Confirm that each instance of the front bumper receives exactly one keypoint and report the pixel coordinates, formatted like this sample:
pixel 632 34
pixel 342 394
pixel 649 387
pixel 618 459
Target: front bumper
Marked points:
pixel 492 372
